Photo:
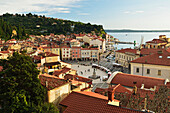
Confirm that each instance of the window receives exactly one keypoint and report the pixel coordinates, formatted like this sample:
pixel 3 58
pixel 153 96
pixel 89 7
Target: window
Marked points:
pixel 73 55
pixel 87 52
pixel 159 72
pixel 100 46
pixel 73 52
pixel 76 55
pixel 137 70
pixel 148 71
pixel 76 52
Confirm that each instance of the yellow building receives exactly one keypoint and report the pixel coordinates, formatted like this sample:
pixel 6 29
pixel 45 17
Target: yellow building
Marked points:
pixel 57 88
pixel 51 57
pixel 158 43
pixel 56 50
pixel 124 56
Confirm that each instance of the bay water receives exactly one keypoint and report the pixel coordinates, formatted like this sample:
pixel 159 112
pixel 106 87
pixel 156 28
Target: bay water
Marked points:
pixel 135 36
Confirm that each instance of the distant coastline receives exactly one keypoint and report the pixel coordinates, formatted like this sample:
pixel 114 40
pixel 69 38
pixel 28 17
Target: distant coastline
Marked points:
pixel 126 30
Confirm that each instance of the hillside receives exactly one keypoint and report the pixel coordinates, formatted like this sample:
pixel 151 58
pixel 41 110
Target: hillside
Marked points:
pixel 8 31
pixel 37 25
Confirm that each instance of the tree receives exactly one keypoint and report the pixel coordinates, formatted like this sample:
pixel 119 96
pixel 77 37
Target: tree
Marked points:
pixel 160 102
pixel 20 88
pixel 83 46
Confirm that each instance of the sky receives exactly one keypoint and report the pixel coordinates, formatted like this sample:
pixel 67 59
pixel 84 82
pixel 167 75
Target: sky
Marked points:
pixel 112 14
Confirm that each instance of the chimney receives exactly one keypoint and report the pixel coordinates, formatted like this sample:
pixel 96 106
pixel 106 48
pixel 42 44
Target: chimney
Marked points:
pixel 134 88
pixel 142 87
pixel 111 100
pixel 145 104
pixel 110 94
pixel 154 88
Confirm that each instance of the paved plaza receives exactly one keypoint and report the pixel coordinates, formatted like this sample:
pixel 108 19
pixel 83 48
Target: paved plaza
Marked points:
pixel 83 71
pixel 82 68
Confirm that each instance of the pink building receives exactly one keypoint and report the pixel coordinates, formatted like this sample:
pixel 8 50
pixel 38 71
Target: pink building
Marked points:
pixel 76 53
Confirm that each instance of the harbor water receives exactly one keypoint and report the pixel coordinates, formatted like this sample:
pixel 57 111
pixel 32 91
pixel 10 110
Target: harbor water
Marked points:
pixel 135 36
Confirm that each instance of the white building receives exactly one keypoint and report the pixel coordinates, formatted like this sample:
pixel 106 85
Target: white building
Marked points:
pixel 155 65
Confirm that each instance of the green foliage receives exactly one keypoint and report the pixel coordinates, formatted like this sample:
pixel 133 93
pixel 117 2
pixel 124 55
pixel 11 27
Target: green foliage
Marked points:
pixel 83 46
pixel 47 108
pixel 20 88
pixel 158 103
pixel 49 25
pixel 6 30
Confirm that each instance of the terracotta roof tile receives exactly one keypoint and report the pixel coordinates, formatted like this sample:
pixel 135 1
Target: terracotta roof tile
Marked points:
pixel 127 50
pixel 156 41
pixel 145 51
pixel 78 78
pixel 64 70
pixel 128 79
pixel 118 89
pixel 89 102
pixel 155 59
pixel 52 81
pixel 1 68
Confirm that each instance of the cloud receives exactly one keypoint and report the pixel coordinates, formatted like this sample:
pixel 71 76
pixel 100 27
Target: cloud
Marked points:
pixel 133 12
pixel 139 11
pixel 38 6
pixel 83 14
pixel 126 12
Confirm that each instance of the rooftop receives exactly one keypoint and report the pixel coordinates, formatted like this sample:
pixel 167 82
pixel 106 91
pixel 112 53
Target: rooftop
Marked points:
pixel 162 58
pixel 51 82
pixel 129 79
pixel 90 102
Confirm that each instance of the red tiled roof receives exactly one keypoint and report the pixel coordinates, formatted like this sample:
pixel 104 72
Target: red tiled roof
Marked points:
pixel 78 78
pixel 145 51
pixel 90 102
pixel 128 79
pixel 120 89
pixel 156 41
pixel 101 39
pixel 143 93
pixel 52 81
pixel 79 35
pixel 49 54
pixel 1 68
pixel 155 59
pixel 37 57
pixel 127 50
pixel 94 48
pixel 168 83
pixel 117 88
pixel 76 47
pixel 85 48
pixel 4 52
pixel 46 47
pixel 64 70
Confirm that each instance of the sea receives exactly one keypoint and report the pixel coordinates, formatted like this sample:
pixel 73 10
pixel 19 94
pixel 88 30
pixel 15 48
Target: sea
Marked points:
pixel 135 36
